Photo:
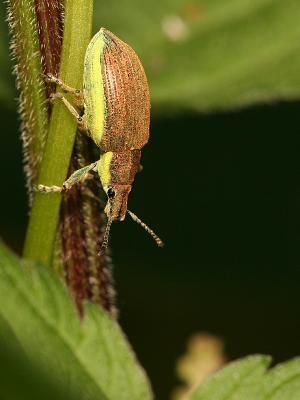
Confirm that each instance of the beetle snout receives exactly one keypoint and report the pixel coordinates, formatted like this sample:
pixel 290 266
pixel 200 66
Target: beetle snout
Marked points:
pixel 122 217
pixel 116 207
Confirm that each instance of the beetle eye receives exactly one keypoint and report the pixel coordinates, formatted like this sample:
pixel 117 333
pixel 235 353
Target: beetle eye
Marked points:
pixel 111 193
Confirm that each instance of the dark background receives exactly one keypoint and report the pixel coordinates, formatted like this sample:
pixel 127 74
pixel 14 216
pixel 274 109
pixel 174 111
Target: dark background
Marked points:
pixel 222 190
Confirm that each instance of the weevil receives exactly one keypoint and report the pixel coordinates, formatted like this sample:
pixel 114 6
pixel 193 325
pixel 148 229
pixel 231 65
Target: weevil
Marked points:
pixel 115 106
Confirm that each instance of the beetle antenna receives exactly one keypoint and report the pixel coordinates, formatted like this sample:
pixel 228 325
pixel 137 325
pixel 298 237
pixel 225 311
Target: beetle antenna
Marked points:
pixel 105 237
pixel 136 219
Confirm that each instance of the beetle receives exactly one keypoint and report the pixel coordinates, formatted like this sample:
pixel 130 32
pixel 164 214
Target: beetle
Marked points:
pixel 116 115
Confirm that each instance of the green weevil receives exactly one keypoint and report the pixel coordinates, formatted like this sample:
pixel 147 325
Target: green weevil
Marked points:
pixel 116 115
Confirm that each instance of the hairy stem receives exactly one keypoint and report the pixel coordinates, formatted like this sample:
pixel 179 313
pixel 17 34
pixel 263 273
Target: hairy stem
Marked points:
pixel 44 217
pixel 50 28
pixel 88 275
pixel 26 51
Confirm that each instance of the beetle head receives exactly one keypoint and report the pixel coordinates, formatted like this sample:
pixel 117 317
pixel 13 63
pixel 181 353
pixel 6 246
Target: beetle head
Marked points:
pixel 116 209
pixel 116 206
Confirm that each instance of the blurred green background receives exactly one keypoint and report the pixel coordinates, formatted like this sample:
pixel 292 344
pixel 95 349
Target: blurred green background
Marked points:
pixel 220 182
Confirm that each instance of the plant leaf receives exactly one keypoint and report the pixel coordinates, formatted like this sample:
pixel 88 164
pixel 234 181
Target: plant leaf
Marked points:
pixel 90 359
pixel 234 381
pixel 209 54
pixel 248 379
pixel 20 379
pixel 282 382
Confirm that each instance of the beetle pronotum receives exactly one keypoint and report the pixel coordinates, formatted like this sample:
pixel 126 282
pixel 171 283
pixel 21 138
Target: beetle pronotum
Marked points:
pixel 116 115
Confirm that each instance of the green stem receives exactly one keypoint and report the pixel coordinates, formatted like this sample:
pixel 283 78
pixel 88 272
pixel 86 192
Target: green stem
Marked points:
pixel 44 217
pixel 26 50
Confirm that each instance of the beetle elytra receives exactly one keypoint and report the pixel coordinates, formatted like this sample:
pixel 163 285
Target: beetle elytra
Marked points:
pixel 116 115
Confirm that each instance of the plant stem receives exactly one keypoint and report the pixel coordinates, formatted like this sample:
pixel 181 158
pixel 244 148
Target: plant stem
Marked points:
pixel 44 217
pixel 26 50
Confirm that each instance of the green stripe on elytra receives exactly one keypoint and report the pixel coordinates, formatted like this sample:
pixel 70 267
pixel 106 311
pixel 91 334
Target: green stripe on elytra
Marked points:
pixel 104 168
pixel 93 88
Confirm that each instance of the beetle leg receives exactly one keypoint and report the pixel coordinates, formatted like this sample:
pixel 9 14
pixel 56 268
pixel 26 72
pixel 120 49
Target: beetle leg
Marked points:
pixel 47 189
pixel 80 120
pixel 77 176
pixel 67 89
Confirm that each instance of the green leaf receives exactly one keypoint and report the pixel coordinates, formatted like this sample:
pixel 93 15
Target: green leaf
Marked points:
pixel 283 382
pixel 209 54
pixel 89 359
pixel 234 382
pixel 247 379
pixel 19 379
pixel 227 53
